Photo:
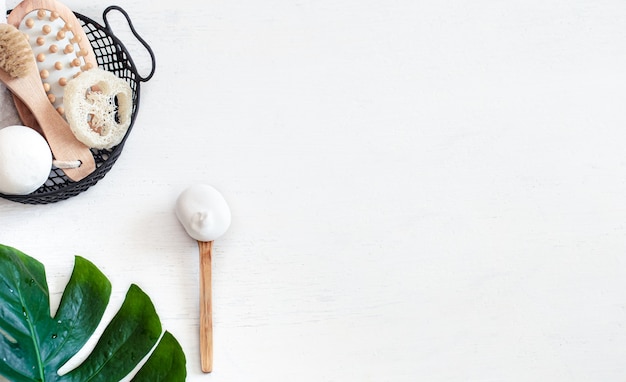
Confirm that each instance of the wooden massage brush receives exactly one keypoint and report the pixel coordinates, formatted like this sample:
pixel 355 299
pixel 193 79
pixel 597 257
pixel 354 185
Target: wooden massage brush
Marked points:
pixel 62 51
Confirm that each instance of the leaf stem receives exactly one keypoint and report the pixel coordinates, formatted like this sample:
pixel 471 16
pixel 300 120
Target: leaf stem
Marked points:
pixel 34 337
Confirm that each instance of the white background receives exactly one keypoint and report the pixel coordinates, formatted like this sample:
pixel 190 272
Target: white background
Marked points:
pixel 421 190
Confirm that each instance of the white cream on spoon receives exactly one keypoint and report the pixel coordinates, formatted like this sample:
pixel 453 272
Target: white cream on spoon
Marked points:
pixel 205 215
pixel 203 212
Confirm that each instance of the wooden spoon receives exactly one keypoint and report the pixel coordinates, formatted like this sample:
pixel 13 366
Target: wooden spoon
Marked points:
pixel 205 215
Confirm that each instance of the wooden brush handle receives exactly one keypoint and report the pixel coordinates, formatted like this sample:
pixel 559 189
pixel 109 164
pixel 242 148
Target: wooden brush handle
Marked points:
pixel 63 143
pixel 27 118
pixel 206 308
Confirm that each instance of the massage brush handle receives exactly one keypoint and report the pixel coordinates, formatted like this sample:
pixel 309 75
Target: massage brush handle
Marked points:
pixel 62 142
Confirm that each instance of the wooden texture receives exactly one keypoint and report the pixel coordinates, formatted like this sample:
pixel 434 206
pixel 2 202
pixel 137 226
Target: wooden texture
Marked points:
pixel 206 306
pixel 62 142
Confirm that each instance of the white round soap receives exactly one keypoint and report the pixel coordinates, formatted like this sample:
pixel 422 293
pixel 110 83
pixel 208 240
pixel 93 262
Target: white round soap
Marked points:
pixel 203 211
pixel 25 160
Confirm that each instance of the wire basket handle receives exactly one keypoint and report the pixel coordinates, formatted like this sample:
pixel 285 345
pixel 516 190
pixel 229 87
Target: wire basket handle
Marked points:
pixel 137 36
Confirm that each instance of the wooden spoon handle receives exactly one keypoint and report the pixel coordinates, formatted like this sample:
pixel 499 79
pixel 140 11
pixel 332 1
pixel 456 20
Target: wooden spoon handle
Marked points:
pixel 206 308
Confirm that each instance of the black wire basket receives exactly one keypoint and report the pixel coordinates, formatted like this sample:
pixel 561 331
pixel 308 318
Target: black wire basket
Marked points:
pixel 113 56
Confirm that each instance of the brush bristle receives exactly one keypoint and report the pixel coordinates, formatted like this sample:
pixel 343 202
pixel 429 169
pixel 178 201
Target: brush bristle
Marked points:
pixel 15 51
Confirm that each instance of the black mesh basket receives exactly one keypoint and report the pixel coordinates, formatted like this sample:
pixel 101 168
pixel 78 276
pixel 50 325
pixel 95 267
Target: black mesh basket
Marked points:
pixel 113 56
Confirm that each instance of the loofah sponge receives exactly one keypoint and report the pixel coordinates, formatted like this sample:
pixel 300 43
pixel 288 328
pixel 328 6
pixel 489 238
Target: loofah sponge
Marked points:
pixel 98 107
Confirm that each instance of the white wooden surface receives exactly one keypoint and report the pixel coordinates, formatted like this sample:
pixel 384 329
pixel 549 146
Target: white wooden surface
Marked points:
pixel 421 190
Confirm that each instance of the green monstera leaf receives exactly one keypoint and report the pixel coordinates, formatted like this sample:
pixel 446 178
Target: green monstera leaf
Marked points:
pixel 34 345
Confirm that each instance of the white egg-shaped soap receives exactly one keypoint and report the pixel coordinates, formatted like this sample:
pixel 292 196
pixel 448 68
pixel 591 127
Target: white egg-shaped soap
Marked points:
pixel 203 211
pixel 25 160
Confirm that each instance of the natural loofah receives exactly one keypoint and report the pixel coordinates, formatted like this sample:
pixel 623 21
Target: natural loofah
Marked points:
pixel 92 114
pixel 15 51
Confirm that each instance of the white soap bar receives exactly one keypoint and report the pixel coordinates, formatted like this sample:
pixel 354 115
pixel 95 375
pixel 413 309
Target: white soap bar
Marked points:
pixel 25 160
pixel 203 211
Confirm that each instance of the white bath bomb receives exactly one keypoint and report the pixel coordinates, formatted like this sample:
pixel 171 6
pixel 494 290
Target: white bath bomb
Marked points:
pixel 25 160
